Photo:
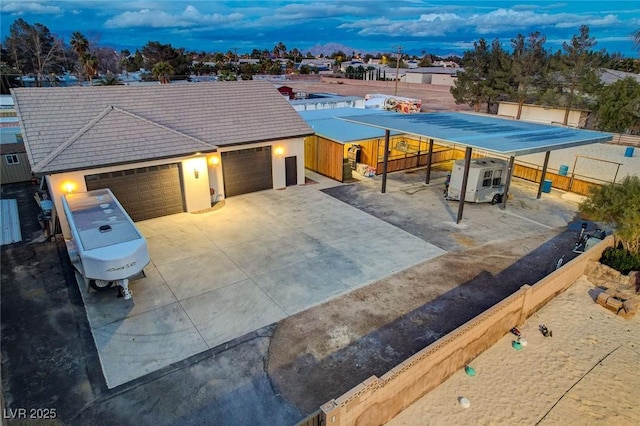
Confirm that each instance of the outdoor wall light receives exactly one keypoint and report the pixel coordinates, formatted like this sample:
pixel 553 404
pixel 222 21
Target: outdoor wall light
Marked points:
pixel 279 151
pixel 214 161
pixel 69 187
pixel 196 173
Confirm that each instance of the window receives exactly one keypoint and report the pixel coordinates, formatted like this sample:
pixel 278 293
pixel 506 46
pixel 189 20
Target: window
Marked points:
pixel 497 177
pixel 11 159
pixel 486 180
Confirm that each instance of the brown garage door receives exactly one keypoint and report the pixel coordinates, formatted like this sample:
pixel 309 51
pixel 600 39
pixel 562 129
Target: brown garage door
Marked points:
pixel 145 192
pixel 247 170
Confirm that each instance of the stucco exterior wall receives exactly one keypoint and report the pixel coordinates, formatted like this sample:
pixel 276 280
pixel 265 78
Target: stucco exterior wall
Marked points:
pixel 443 80
pixel 417 77
pixel 198 192
pixel 541 114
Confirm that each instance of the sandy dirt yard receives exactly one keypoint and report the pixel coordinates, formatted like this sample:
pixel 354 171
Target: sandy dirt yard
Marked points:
pixel 585 374
pixel 434 98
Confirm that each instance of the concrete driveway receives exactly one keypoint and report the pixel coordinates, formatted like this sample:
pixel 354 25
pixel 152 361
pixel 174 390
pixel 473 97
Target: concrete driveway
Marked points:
pixel 217 275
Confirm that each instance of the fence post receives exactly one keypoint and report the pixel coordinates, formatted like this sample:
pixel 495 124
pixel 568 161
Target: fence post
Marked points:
pixel 331 414
pixel 526 290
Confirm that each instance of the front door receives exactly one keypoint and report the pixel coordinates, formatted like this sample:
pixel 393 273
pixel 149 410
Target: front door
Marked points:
pixel 291 170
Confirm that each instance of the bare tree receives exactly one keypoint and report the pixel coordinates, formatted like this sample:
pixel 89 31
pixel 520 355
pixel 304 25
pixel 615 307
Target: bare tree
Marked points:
pixel 34 49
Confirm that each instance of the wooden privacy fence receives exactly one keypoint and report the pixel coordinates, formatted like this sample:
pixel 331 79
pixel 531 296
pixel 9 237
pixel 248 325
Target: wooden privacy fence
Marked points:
pixel 410 161
pixel 566 183
pixel 315 419
pixel 527 171
pixel 630 140
pixel 377 400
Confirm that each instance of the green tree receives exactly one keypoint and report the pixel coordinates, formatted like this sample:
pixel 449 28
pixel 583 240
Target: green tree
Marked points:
pixel 468 88
pixel 163 71
pixel 579 68
pixel 305 69
pixel 154 52
pixel 529 65
pixel 617 204
pixel 280 50
pixel 350 72
pixel 618 108
pixel 499 78
pixel 109 80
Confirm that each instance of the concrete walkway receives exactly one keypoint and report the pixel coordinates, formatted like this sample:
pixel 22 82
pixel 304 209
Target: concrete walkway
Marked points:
pixel 217 275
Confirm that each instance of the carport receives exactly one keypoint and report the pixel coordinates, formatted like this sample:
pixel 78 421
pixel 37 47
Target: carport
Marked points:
pixel 492 134
pixel 325 152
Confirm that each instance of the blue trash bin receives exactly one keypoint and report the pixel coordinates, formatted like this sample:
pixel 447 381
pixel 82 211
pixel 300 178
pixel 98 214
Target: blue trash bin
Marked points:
pixel 563 170
pixel 628 152
pixel 546 186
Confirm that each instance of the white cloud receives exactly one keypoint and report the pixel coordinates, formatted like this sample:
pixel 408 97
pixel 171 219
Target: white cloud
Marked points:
pixel 190 17
pixel 606 21
pixel 20 8
pixel 494 22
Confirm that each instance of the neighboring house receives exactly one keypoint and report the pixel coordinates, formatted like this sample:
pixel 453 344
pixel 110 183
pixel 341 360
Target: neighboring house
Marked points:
pixel 15 164
pixel 315 101
pixel 412 64
pixel 323 64
pixel 166 148
pixel 355 63
pixel 448 64
pixel 439 76
pixel 608 76
pixel 286 91
pixel 544 115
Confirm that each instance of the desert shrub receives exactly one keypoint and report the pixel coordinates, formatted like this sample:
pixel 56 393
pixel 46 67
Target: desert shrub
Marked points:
pixel 621 260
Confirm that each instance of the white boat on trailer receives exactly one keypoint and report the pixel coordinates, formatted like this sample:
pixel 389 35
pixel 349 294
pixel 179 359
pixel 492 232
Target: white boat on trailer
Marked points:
pixel 106 247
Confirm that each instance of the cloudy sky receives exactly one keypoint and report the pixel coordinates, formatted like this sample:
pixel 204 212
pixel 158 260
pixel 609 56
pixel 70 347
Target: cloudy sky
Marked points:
pixel 439 27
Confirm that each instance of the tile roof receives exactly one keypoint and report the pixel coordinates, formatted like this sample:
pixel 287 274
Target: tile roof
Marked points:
pixel 70 128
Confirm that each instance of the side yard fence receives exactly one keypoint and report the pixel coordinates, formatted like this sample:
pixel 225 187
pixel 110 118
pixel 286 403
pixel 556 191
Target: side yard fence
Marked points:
pixel 378 400
pixel 532 172
pixel 629 140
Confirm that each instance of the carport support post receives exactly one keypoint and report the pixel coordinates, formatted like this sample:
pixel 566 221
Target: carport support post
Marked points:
pixel 544 173
pixel 385 160
pixel 428 161
pixel 465 178
pixel 507 183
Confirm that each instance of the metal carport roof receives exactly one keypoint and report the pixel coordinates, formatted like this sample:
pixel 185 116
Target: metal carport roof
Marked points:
pixel 326 123
pixel 494 134
pixel 499 135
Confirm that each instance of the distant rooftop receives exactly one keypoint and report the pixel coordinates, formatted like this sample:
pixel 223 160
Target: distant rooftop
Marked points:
pixel 327 124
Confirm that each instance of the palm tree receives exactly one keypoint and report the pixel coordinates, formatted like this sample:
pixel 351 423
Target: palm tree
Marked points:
pixel 109 80
pixel 80 45
pixel 636 39
pixel 163 72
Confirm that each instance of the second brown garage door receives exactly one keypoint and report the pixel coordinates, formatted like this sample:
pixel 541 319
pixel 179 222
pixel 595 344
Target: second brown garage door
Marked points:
pixel 145 192
pixel 247 170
